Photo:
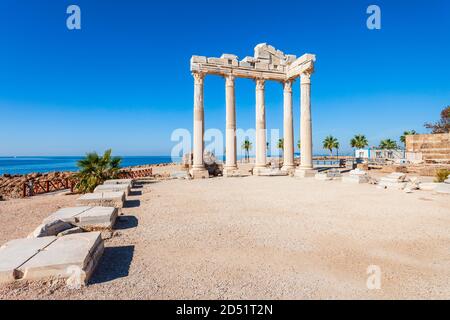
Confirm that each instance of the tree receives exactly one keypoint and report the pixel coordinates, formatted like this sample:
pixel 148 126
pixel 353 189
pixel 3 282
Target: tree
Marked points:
pixel 443 125
pixel 299 145
pixel 359 141
pixel 280 144
pixel 247 146
pixel 95 169
pixel 388 144
pixel 330 143
pixel 407 133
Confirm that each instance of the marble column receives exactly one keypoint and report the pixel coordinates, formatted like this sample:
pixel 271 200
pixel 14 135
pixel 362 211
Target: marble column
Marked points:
pixel 288 125
pixel 306 165
pixel 198 168
pixel 261 147
pixel 230 144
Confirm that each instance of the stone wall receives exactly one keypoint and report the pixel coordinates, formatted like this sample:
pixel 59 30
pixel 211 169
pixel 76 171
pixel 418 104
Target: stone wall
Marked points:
pixel 432 148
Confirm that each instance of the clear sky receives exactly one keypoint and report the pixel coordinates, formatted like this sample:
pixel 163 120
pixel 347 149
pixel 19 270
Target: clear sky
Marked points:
pixel 123 80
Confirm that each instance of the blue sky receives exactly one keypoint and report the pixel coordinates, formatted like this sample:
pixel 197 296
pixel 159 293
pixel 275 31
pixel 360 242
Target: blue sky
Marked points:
pixel 123 81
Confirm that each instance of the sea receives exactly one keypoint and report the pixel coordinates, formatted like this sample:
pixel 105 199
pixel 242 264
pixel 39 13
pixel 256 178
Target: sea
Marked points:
pixel 25 165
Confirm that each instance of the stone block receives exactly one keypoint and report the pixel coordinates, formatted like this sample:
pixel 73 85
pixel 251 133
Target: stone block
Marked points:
pixel 73 255
pixel 431 186
pixel 443 188
pixel 218 61
pixel 249 60
pixel 357 179
pixel 104 199
pixel 198 59
pixel 113 188
pixel 392 185
pixel 88 218
pixel 119 181
pixel 245 64
pixel 229 56
pixel 270 172
pixel 199 173
pixel 16 252
pixel 305 173
pixel 262 66
pixel 447 181
pixel 50 228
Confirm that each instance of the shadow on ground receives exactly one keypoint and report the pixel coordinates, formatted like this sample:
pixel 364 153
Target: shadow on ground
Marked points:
pixel 132 204
pixel 126 222
pixel 114 264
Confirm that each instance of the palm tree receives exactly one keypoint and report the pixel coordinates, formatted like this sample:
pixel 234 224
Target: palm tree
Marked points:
pixel 95 169
pixel 330 143
pixel 407 133
pixel 247 146
pixel 388 144
pixel 359 141
pixel 280 144
pixel 299 145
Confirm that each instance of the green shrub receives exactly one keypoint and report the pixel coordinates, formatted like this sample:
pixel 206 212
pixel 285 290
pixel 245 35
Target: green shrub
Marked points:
pixel 442 175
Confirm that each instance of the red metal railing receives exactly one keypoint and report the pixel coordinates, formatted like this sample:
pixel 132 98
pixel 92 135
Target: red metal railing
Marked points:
pixel 34 187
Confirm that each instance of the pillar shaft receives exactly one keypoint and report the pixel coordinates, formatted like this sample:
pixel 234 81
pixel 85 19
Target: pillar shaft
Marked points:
pixel 198 121
pixel 261 147
pixel 306 123
pixel 230 150
pixel 288 134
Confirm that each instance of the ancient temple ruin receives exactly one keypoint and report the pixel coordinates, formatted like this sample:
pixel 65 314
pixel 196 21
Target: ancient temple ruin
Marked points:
pixel 267 64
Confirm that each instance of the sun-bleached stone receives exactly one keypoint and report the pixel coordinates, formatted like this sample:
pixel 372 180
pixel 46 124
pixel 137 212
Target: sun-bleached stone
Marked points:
pixel 113 188
pixel 103 199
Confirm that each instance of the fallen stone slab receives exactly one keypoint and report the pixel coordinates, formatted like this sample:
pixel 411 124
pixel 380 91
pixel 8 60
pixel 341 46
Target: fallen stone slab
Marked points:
pixel 50 228
pixel 113 188
pixel 74 256
pixel 102 199
pixel 428 186
pixel 272 173
pixel 88 218
pixel 357 179
pixel 119 181
pixel 15 253
pixel 443 188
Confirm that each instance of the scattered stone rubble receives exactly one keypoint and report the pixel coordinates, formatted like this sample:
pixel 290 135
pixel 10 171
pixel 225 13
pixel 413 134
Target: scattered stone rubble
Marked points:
pixel 357 176
pixel 396 180
pixel 332 174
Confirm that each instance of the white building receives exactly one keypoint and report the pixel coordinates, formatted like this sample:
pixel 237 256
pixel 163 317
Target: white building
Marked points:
pixel 379 154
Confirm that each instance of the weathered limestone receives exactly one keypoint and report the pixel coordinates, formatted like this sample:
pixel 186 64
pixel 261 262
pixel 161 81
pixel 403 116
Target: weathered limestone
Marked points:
pixel 443 188
pixel 267 63
pixel 104 199
pixel 230 153
pixel 88 218
pixel 306 165
pixel 113 188
pixel 119 181
pixel 396 180
pixel 429 186
pixel 261 147
pixel 272 172
pixel 50 228
pixel 16 252
pixel 357 176
pixel 332 174
pixel 71 256
pixel 288 145
pixel 198 168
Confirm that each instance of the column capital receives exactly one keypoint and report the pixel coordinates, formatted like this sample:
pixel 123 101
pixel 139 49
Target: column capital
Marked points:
pixel 260 84
pixel 287 85
pixel 198 77
pixel 229 80
pixel 306 76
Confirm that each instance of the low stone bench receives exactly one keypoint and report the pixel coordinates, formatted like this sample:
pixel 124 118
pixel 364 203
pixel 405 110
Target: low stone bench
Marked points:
pixel 119 181
pixel 113 188
pixel 75 220
pixel 102 199
pixel 73 257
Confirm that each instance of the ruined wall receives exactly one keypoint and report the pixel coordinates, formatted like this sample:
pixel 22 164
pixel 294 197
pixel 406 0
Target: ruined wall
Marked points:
pixel 434 148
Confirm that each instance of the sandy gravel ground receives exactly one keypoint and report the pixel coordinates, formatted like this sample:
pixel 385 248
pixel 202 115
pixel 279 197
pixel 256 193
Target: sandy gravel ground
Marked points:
pixel 257 238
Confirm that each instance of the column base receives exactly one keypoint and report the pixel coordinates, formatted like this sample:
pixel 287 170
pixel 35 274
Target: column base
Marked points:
pixel 199 173
pixel 288 168
pixel 257 170
pixel 305 172
pixel 230 171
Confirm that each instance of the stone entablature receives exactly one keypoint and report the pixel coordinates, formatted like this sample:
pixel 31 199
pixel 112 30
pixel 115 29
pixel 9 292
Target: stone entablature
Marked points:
pixel 267 63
